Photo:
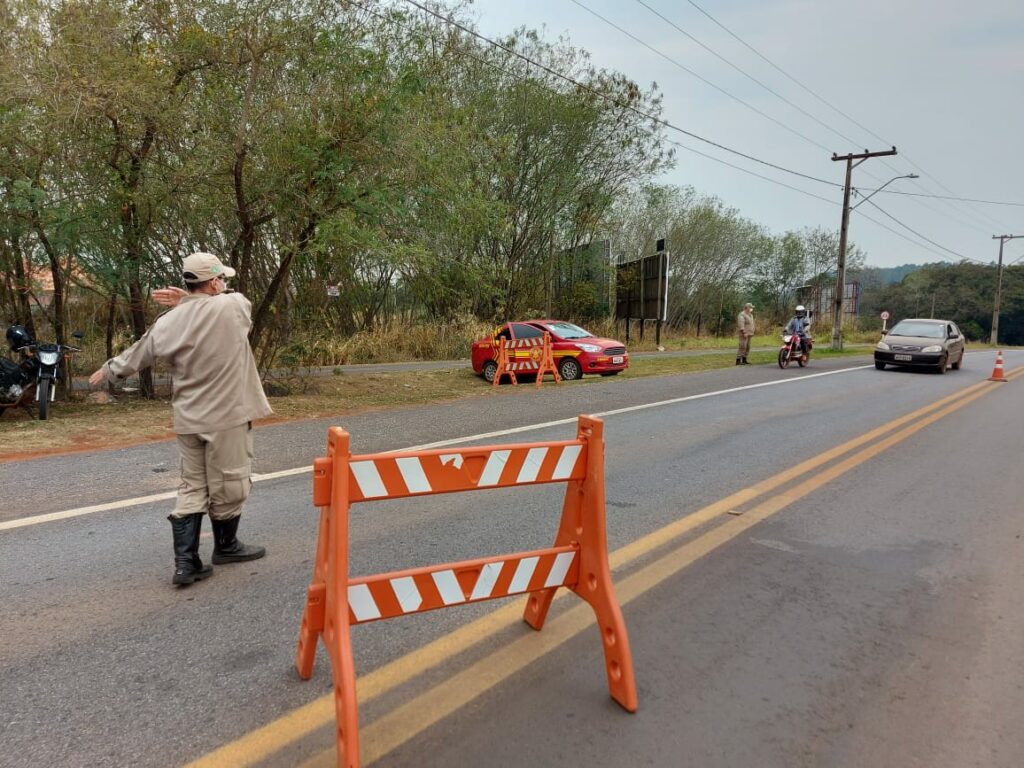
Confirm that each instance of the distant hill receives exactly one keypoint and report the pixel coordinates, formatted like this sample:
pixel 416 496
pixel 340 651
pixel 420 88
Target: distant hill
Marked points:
pixel 880 276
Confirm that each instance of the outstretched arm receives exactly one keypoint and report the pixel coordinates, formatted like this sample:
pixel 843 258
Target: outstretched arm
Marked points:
pixel 170 296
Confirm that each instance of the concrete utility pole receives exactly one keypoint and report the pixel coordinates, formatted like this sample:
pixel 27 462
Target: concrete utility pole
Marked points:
pixel 837 300
pixel 999 286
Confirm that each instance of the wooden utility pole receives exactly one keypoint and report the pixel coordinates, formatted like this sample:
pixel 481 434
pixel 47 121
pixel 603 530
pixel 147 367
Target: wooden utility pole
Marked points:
pixel 837 299
pixel 994 339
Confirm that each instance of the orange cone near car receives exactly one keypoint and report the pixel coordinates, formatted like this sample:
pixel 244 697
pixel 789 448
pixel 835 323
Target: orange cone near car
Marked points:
pixel 997 372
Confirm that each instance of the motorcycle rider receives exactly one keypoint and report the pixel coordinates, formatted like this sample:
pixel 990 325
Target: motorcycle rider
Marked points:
pixel 217 396
pixel 797 326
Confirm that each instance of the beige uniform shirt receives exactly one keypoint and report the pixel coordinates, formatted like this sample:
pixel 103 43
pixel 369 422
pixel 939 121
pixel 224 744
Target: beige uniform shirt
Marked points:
pixel 745 323
pixel 205 342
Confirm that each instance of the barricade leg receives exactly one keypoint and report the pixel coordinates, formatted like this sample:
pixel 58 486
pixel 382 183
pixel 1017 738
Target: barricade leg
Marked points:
pixel 504 365
pixel 547 362
pixel 337 630
pixel 338 639
pixel 583 521
pixel 316 602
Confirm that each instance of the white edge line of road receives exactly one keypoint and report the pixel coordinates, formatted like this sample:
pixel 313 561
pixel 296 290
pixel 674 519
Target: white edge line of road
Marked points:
pixel 140 500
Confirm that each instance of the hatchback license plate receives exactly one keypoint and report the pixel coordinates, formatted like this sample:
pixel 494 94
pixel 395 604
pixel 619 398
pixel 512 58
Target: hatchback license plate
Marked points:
pixel 617 359
pixel 906 358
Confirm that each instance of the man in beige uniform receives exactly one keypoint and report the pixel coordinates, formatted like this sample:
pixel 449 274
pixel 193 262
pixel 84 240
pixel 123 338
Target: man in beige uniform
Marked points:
pixel 745 328
pixel 217 396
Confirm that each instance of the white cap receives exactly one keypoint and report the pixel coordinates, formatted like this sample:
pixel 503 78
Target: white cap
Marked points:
pixel 200 267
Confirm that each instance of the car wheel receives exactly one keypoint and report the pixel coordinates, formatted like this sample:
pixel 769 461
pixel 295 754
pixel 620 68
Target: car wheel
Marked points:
pixel 959 362
pixel 943 363
pixel 879 365
pixel 569 369
pixel 490 368
pixel 783 358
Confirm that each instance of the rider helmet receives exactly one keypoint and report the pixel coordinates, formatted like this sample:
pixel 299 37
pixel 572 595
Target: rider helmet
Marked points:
pixel 18 337
pixel 801 310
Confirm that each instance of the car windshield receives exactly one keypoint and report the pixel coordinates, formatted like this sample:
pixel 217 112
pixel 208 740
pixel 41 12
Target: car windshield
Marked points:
pixel 568 330
pixel 926 330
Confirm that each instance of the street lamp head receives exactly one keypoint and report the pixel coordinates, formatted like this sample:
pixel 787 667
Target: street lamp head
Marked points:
pixel 912 176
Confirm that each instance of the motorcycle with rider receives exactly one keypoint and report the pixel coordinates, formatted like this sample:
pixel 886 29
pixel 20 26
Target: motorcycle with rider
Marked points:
pixel 796 341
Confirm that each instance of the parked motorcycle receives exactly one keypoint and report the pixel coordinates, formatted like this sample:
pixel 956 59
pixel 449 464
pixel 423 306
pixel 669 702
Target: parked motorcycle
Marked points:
pixel 791 352
pixel 41 366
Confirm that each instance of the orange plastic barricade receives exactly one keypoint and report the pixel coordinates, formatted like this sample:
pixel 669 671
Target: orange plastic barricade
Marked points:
pixel 532 355
pixel 505 364
pixel 578 560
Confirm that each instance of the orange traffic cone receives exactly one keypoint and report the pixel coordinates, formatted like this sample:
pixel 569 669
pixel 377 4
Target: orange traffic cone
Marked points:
pixel 997 372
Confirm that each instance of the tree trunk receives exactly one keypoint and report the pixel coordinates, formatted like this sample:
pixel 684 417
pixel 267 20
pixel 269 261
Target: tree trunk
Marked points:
pixel 111 321
pixel 259 319
pixel 22 287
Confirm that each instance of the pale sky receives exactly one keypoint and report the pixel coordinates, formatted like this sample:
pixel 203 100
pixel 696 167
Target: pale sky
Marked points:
pixel 942 80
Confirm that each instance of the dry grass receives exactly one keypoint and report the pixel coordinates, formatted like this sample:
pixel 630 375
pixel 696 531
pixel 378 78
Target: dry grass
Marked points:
pixel 388 344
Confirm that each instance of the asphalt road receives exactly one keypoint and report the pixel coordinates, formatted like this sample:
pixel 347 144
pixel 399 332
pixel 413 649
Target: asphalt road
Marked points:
pixel 863 612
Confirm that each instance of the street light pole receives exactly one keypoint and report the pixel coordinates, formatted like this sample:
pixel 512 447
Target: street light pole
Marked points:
pixel 837 299
pixel 875 192
pixel 994 339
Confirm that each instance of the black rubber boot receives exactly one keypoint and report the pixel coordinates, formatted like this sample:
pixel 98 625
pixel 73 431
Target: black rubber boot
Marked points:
pixel 188 568
pixel 739 361
pixel 226 546
pixel 745 361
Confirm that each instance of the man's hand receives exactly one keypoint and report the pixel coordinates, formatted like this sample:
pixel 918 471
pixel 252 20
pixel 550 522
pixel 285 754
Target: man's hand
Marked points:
pixel 98 377
pixel 169 297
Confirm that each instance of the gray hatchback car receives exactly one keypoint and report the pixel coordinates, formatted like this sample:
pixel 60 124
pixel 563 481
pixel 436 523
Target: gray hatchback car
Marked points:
pixel 915 343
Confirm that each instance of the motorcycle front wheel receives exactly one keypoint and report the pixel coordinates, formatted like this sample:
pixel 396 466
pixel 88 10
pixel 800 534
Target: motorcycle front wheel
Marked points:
pixel 43 393
pixel 783 357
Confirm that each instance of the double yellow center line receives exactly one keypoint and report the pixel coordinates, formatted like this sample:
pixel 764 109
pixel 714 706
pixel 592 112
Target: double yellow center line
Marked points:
pixel 381 736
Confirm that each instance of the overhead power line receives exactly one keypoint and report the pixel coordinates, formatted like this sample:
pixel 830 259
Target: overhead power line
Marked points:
pixel 750 172
pixel 946 197
pixel 775 66
pixel 952 195
pixel 923 237
pixel 746 74
pixel 899 234
pixel 616 102
pixel 671 126
pixel 704 80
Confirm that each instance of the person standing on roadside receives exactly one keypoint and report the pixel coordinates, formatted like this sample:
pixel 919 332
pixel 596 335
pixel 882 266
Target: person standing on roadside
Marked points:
pixel 217 395
pixel 745 328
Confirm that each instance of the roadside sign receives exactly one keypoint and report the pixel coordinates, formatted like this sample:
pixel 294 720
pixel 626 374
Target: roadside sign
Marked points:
pixel 885 319
pixel 885 315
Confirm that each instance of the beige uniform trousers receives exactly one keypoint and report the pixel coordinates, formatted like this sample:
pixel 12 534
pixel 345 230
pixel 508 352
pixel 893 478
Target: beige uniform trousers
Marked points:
pixel 744 348
pixel 216 469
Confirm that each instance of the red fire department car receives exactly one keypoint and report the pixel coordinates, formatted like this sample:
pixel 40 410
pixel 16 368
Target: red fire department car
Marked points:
pixel 576 351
